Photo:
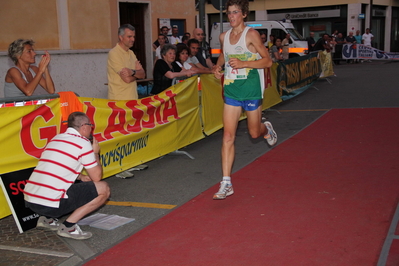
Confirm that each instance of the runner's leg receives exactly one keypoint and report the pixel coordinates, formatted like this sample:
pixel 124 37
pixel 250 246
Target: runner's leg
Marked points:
pixel 255 126
pixel 231 116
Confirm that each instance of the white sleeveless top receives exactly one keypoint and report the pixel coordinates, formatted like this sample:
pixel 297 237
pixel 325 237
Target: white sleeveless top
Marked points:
pixel 240 51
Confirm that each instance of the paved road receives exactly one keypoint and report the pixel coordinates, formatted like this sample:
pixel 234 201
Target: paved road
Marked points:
pixel 175 179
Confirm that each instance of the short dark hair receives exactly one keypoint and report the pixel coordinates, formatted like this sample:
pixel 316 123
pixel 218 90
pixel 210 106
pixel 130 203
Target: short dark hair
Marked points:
pixel 76 119
pixel 192 41
pixel 184 38
pixel 180 49
pixel 275 40
pixel 121 30
pixel 243 5
pixel 163 27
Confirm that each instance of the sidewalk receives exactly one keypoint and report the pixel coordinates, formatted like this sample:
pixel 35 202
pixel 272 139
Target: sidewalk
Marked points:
pixel 31 247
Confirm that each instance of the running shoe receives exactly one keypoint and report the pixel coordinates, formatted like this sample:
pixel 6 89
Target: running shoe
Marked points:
pixel 50 223
pixel 73 232
pixel 271 136
pixel 225 190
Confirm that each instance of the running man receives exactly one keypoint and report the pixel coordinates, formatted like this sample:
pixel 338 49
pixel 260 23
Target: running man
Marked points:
pixel 245 57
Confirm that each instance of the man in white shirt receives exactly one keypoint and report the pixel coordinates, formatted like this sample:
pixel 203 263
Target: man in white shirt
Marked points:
pixel 161 41
pixel 367 38
pixel 286 46
pixel 175 39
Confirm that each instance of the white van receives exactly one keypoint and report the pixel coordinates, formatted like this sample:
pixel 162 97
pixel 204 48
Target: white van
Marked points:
pixel 298 47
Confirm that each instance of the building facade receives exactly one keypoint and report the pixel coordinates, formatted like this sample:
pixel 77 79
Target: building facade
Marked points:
pixel 381 16
pixel 79 33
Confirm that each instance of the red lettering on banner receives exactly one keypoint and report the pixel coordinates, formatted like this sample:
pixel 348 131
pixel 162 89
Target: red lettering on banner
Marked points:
pixel 150 123
pixel 172 111
pixel 158 110
pixel 14 189
pixel 137 115
pixel 90 114
pixel 112 125
pixel 44 133
pixel 268 78
pixel 17 187
pixel 158 117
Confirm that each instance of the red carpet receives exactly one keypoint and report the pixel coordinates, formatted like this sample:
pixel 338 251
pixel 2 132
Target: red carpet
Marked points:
pixel 324 197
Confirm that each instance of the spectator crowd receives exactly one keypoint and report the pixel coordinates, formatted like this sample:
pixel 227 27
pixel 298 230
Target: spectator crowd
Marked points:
pixel 334 43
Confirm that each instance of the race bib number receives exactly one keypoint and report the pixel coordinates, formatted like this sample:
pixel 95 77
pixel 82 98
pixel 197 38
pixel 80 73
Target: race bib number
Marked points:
pixel 233 73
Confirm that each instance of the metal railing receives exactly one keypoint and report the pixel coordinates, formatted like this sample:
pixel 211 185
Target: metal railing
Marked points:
pixel 28 100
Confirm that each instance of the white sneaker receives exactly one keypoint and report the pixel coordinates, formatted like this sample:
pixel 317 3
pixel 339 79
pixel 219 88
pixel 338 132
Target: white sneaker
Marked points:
pixel 73 232
pixel 51 223
pixel 138 168
pixel 225 190
pixel 271 136
pixel 125 174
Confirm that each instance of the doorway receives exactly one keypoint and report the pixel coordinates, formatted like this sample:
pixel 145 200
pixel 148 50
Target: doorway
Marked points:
pixel 181 25
pixel 378 30
pixel 134 14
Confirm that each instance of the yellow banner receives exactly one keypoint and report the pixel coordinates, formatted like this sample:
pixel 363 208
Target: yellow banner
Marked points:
pixel 4 209
pixel 326 64
pixel 129 132
pixel 137 131
pixel 25 131
pixel 271 95
pixel 212 103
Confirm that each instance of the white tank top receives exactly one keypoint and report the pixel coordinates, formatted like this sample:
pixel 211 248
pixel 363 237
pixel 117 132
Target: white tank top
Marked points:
pixel 240 51
pixel 11 90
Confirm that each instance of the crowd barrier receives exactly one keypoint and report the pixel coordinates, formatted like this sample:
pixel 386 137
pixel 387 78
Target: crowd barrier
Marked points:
pixel 137 131
pixel 361 51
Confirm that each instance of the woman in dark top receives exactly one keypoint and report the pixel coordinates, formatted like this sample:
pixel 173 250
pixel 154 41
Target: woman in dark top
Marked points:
pixel 165 70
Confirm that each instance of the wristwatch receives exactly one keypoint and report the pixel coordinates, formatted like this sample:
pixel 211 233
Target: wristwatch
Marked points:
pixel 134 72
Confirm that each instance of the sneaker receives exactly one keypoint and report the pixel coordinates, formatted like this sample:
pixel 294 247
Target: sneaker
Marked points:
pixel 125 174
pixel 51 223
pixel 73 232
pixel 138 168
pixel 271 136
pixel 225 190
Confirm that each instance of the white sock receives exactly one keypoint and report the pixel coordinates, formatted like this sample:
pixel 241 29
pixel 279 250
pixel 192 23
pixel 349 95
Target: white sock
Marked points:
pixel 227 179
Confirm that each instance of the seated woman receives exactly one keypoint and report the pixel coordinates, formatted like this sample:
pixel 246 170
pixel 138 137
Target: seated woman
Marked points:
pixel 166 69
pixel 24 78
pixel 275 53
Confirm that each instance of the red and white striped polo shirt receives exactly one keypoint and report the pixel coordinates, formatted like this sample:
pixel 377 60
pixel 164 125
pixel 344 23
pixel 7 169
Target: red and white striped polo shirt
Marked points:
pixel 60 164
